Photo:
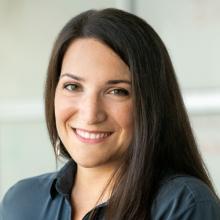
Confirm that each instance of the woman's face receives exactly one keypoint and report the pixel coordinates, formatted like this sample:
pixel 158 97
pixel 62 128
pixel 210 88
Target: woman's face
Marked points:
pixel 93 104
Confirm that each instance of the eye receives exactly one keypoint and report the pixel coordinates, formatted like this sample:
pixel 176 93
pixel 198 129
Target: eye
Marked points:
pixel 71 87
pixel 119 92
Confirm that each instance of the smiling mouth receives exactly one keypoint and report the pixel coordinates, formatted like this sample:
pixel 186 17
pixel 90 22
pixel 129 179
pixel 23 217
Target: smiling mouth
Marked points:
pixel 91 136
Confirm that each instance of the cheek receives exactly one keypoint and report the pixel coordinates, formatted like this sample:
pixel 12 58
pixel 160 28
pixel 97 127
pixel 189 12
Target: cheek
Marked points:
pixel 123 115
pixel 63 109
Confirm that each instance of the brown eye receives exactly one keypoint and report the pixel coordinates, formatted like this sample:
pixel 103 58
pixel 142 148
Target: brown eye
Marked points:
pixel 120 92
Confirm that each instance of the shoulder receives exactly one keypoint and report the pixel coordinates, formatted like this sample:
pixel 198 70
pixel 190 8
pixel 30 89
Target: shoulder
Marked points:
pixel 27 194
pixel 185 186
pixel 31 186
pixel 185 197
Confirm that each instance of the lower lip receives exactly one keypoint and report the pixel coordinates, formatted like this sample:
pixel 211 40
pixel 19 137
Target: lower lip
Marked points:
pixel 90 141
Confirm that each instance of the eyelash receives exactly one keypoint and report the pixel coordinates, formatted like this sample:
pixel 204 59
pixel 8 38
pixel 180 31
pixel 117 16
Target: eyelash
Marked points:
pixel 116 91
pixel 120 92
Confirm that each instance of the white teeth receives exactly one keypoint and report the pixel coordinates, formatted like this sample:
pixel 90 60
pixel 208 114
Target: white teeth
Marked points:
pixel 93 136
pixel 86 135
pixel 89 135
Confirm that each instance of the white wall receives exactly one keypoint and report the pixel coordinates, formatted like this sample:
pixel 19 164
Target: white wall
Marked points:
pixel 191 31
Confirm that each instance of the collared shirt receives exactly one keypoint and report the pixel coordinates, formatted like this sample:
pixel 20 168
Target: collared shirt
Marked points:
pixel 47 197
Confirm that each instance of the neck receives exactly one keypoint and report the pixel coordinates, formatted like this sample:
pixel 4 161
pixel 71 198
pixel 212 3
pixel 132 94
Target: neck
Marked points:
pixel 94 182
pixel 92 186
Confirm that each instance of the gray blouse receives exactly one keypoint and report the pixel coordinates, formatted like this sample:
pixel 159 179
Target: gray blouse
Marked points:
pixel 47 197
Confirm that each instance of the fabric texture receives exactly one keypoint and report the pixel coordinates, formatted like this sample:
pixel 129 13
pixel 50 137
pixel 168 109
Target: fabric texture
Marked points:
pixel 47 196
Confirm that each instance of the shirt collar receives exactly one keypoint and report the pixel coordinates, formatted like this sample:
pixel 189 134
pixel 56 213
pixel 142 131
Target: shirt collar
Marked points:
pixel 64 180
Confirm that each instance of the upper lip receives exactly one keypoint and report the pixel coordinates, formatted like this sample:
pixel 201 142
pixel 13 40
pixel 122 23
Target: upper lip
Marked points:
pixel 92 131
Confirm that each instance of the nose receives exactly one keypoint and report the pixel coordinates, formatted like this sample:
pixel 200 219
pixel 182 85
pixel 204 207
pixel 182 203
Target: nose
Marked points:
pixel 92 109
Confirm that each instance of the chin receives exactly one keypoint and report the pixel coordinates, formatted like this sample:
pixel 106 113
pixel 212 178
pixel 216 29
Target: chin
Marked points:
pixel 90 164
pixel 93 162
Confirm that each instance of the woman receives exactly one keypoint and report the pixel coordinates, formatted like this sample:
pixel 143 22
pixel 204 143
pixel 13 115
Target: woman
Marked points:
pixel 114 110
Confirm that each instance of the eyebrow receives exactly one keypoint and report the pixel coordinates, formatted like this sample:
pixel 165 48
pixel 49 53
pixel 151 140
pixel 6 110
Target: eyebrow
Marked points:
pixel 72 76
pixel 115 81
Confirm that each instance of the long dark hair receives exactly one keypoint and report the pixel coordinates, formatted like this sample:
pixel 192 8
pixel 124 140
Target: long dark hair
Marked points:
pixel 163 139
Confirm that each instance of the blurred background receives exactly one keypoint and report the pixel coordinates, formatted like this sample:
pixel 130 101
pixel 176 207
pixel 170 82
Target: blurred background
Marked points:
pixel 190 30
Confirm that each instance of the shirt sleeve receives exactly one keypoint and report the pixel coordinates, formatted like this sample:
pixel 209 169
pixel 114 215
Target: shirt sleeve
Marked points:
pixel 207 210
pixel 22 201
pixel 202 210
pixel 185 198
pixel 1 217
pixel 2 208
pixel 7 210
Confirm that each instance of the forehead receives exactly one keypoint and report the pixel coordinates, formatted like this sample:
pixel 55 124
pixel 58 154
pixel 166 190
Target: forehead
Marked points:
pixel 88 55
